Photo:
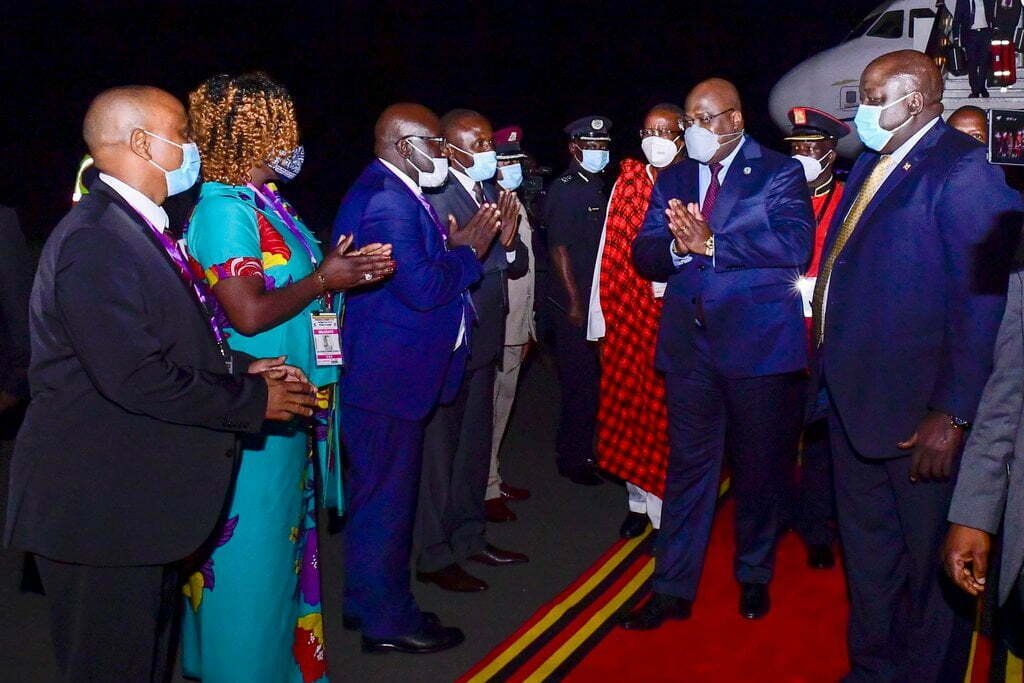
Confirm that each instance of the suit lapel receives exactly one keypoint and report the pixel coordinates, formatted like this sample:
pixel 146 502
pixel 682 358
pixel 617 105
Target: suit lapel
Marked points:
pixel 906 168
pixel 741 176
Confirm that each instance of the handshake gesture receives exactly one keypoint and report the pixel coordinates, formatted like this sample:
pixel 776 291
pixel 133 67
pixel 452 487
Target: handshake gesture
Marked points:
pixel 687 226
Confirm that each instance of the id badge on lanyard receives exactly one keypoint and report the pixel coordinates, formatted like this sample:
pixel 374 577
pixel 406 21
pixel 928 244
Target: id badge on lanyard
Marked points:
pixel 323 324
pixel 326 338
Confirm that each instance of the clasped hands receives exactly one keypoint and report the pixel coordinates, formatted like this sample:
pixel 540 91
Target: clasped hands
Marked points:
pixel 688 227
pixel 289 392
pixel 490 221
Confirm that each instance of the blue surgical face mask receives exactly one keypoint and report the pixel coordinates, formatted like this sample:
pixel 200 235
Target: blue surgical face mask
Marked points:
pixel 594 160
pixel 484 164
pixel 511 176
pixel 186 175
pixel 870 130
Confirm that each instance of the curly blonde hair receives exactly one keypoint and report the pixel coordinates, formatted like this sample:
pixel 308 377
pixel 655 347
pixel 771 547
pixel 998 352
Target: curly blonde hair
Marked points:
pixel 239 123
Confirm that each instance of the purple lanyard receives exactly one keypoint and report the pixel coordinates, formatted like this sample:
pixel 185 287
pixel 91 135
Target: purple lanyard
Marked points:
pixel 274 201
pixel 176 255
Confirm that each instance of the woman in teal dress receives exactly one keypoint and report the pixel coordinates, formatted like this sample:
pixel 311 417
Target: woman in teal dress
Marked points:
pixel 252 608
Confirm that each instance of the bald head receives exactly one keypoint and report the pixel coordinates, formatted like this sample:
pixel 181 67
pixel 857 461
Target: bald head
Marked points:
pixel 400 120
pixel 717 93
pixel 115 113
pixel 908 86
pixel 971 121
pixel 134 133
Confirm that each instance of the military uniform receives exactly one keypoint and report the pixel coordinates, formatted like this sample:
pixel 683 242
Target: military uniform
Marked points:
pixel 573 215
pixel 811 503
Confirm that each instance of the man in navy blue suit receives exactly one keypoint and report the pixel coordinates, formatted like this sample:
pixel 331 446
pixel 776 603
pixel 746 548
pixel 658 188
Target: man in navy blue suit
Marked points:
pixel 731 231
pixel 906 308
pixel 405 345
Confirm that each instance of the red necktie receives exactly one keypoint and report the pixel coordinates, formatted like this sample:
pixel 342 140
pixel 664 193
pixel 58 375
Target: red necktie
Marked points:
pixel 712 194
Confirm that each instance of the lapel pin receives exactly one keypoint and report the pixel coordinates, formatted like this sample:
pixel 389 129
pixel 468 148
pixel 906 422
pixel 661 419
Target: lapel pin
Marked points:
pixel 906 166
pixel 746 170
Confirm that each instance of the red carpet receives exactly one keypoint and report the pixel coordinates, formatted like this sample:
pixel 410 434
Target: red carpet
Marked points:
pixel 574 637
pixel 801 639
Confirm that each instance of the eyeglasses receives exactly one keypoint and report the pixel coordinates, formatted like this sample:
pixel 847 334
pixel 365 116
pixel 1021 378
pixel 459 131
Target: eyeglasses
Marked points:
pixel 659 132
pixel 704 119
pixel 439 139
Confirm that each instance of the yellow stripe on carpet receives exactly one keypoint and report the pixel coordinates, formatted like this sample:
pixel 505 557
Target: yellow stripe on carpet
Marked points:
pixel 560 609
pixel 594 623
pixel 1014 668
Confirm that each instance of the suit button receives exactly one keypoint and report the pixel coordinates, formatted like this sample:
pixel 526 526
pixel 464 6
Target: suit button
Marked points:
pixel 229 453
pixel 701 267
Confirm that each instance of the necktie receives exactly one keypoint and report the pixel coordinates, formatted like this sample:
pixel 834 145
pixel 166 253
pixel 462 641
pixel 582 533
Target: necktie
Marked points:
pixel 711 196
pixel 478 192
pixel 864 197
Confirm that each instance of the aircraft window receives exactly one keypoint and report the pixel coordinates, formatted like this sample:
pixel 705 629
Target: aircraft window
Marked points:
pixel 919 13
pixel 889 26
pixel 863 26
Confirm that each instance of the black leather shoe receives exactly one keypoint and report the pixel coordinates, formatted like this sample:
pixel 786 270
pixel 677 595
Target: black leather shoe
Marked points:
pixel 754 600
pixel 583 476
pixel 354 623
pixel 430 638
pixel 820 556
pixel 453 578
pixel 634 525
pixel 496 557
pixel 655 611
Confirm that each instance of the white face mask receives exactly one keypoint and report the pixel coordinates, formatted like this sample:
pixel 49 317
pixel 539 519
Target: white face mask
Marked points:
pixel 659 151
pixel 434 178
pixel 812 167
pixel 702 144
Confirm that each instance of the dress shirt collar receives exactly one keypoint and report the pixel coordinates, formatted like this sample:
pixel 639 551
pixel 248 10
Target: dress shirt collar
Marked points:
pixel 138 201
pixel 903 150
pixel 727 162
pixel 464 180
pixel 409 182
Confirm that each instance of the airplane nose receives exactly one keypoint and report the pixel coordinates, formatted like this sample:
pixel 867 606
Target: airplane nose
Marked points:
pixel 793 89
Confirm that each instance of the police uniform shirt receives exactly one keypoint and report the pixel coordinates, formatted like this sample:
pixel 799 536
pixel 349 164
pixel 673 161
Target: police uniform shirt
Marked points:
pixel 574 212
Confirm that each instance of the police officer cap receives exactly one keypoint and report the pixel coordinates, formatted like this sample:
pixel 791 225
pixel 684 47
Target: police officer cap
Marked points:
pixel 813 124
pixel 590 128
pixel 508 141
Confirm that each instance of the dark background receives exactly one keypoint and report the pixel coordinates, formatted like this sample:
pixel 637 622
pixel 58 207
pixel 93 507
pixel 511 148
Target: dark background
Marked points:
pixel 537 64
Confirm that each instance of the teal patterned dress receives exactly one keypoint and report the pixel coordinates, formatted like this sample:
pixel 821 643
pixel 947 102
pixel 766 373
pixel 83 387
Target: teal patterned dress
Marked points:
pixel 253 610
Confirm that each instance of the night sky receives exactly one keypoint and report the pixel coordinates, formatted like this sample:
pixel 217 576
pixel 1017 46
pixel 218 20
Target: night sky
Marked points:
pixel 537 64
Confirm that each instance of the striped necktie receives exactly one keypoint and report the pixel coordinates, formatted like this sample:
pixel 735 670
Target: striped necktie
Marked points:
pixel 864 197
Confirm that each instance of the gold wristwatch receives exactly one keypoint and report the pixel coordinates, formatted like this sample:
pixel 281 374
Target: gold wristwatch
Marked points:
pixel 709 246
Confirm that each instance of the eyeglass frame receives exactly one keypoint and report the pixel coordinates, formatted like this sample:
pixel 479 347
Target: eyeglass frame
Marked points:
pixel 659 132
pixel 704 121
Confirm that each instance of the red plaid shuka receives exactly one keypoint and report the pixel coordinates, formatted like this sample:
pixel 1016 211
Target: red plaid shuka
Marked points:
pixel 632 422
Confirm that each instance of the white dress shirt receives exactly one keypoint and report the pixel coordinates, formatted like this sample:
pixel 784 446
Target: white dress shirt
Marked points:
pixel 703 183
pixel 138 201
pixel 418 191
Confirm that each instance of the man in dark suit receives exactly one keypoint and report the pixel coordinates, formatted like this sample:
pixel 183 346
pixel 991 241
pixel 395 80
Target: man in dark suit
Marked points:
pixel 989 492
pixel 732 343
pixel 972 22
pixel 15 282
pixel 405 349
pixel 451 521
pixel 128 449
pixel 906 308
